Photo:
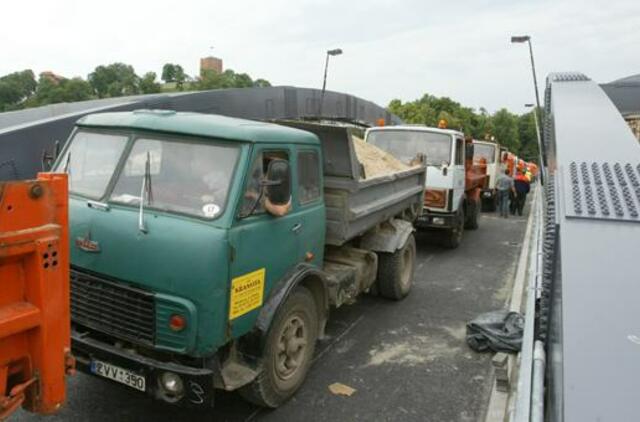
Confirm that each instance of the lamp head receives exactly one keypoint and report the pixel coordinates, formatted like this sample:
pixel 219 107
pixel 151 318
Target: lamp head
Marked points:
pixel 520 38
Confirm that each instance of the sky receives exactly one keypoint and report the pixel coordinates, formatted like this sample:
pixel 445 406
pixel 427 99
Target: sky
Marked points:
pixel 392 49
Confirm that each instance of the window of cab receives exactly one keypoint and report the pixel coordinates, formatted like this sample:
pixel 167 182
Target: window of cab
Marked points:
pixel 185 176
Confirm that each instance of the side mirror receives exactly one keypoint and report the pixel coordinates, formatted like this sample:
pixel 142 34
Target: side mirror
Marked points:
pixel 468 151
pixel 277 182
pixel 48 159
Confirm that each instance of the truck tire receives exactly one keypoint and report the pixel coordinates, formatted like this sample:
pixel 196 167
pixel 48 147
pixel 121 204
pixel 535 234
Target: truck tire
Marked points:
pixel 288 352
pixel 396 270
pixel 453 236
pixel 490 205
pixel 493 203
pixel 473 209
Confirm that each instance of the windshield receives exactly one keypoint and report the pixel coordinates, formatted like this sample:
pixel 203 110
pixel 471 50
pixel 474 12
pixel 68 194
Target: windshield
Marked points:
pixel 184 177
pixel 488 152
pixel 406 144
pixel 90 161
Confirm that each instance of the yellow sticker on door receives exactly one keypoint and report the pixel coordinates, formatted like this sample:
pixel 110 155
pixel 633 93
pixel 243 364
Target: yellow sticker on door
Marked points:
pixel 246 293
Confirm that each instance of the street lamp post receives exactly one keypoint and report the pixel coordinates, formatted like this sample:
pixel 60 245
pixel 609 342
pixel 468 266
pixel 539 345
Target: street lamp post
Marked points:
pixel 527 39
pixel 535 119
pixel 332 52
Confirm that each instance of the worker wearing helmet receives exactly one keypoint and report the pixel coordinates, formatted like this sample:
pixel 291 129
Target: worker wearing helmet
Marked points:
pixel 521 184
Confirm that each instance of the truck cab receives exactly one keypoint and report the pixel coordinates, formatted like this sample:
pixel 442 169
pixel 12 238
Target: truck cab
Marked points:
pixel 203 255
pixel 452 191
pixel 490 154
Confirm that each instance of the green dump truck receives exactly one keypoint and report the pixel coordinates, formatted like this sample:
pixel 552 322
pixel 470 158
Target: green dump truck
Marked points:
pixel 207 251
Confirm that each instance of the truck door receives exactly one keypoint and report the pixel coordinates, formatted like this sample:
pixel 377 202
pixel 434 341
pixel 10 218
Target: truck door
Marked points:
pixel 265 247
pixel 458 172
pixel 309 198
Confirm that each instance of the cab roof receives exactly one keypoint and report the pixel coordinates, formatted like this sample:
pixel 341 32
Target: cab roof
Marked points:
pixel 417 128
pixel 198 124
pixel 478 141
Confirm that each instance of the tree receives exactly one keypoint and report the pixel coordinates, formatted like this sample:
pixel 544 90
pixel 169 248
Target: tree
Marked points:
pixel 148 84
pixel 64 91
pixel 210 79
pixel 506 129
pixel 261 83
pixel 174 73
pixel 242 80
pixel 168 73
pixel 114 80
pixel 180 76
pixel 15 88
pixel 514 132
pixel 528 137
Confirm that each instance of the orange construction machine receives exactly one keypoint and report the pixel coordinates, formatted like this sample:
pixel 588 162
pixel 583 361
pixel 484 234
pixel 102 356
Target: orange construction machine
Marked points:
pixel 34 294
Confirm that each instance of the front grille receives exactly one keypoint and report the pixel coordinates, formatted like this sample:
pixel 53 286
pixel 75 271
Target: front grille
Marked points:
pixel 106 306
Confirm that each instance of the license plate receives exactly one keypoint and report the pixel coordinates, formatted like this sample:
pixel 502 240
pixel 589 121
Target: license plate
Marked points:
pixel 486 194
pixel 121 375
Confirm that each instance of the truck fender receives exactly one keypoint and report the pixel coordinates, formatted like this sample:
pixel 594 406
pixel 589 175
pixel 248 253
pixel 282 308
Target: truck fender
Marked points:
pixel 302 274
pixel 388 237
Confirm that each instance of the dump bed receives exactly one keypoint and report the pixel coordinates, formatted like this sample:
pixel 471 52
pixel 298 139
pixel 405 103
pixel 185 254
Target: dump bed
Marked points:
pixel 356 204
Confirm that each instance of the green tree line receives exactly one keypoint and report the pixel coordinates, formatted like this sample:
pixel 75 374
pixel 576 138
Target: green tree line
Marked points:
pixel 516 132
pixel 20 90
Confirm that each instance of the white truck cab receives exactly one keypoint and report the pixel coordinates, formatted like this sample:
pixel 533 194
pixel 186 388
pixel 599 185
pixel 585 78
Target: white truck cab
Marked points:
pixel 446 204
pixel 491 152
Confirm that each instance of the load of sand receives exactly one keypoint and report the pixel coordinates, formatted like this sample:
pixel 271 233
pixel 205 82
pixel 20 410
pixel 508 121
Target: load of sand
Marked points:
pixel 375 161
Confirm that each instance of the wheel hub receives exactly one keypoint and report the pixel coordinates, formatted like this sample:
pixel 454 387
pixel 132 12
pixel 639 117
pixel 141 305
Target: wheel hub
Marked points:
pixel 292 346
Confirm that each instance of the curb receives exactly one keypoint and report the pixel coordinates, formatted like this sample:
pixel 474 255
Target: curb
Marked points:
pixel 499 400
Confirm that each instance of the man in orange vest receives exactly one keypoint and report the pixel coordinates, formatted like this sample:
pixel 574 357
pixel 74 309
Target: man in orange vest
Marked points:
pixel 521 184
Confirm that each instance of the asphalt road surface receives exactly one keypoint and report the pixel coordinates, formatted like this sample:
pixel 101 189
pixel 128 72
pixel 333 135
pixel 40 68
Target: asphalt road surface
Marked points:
pixel 407 361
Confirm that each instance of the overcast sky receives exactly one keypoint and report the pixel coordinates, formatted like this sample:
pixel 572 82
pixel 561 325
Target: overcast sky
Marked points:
pixel 392 48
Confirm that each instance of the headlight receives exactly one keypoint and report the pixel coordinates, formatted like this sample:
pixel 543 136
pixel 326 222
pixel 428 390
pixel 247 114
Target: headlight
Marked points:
pixel 172 383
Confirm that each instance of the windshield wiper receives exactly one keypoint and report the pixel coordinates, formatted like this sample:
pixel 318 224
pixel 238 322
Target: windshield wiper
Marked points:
pixel 145 192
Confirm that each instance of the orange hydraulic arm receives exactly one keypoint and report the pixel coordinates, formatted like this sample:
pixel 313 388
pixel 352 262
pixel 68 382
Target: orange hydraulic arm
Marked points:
pixel 34 294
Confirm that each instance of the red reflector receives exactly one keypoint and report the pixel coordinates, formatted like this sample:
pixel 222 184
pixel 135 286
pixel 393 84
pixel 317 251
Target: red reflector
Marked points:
pixel 177 322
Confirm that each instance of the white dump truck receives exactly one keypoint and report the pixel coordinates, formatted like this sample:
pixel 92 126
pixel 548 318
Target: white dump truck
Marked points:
pixel 491 153
pixel 452 194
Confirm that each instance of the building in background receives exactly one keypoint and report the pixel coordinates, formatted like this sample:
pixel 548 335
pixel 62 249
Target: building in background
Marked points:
pixel 210 63
pixel 625 95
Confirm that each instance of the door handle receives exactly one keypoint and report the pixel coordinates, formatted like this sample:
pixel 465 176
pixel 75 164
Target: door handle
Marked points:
pixel 296 227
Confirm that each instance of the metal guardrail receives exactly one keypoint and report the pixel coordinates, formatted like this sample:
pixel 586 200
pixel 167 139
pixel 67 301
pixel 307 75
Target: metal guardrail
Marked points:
pixel 527 406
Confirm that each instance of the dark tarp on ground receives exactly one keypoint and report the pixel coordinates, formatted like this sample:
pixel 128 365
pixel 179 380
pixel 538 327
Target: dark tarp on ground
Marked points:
pixel 497 331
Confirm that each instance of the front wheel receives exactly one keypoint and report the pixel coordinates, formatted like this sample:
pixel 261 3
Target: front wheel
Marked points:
pixel 473 209
pixel 396 270
pixel 288 351
pixel 453 236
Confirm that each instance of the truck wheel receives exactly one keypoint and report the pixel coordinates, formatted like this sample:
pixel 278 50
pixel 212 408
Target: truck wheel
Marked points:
pixel 474 211
pixel 489 205
pixel 288 351
pixel 396 270
pixel 493 203
pixel 453 236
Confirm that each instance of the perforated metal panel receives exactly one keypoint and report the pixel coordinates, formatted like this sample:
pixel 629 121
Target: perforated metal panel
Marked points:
pixel 568 77
pixel 603 190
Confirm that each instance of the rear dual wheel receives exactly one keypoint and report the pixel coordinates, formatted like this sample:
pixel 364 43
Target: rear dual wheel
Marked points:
pixel 396 270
